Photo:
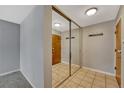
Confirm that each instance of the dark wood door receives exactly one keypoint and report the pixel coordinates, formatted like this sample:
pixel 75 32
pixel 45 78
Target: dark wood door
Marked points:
pixel 56 49
pixel 118 53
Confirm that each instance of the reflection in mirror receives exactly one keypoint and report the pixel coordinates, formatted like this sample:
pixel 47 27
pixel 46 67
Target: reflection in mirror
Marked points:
pixel 60 49
pixel 75 48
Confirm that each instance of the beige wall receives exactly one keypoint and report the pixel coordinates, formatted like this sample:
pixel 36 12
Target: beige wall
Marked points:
pixel 121 16
pixel 98 51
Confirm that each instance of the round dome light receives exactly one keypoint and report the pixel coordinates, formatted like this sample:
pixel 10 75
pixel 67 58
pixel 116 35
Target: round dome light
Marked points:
pixel 91 11
pixel 57 24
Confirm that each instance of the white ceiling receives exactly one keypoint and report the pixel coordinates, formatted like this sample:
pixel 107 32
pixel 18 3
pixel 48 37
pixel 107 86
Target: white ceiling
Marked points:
pixel 64 24
pixel 77 13
pixel 56 18
pixel 14 13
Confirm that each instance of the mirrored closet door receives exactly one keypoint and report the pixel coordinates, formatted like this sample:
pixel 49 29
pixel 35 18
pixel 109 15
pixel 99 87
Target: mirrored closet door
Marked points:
pixel 66 47
pixel 60 48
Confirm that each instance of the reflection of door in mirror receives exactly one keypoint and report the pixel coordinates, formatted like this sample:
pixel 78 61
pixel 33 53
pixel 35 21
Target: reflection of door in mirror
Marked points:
pixel 118 53
pixel 56 49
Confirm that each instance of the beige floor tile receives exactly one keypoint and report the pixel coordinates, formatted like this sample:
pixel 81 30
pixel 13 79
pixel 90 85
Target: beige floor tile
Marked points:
pixel 90 76
pixel 83 78
pixel 112 86
pixel 87 79
pixel 84 70
pixel 91 72
pixel 61 86
pixel 81 73
pixel 111 82
pixel 71 85
pixel 98 84
pixel 75 80
pixel 102 79
pixel 54 82
pixel 110 77
pixel 100 76
pixel 80 87
pixel 79 77
pixel 98 81
pixel 85 84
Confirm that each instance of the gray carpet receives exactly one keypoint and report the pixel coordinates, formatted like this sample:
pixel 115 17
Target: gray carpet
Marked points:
pixel 14 80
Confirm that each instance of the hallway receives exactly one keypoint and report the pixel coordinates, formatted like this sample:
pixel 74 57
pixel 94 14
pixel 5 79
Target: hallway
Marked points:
pixel 89 42
pixel 55 47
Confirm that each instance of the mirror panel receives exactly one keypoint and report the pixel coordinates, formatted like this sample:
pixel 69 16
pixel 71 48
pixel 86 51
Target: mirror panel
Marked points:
pixel 60 49
pixel 75 48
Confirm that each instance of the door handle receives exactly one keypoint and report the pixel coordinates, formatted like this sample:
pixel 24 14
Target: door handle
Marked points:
pixel 118 51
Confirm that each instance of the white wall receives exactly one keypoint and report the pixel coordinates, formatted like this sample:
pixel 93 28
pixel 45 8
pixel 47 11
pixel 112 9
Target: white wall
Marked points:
pixel 75 47
pixel 35 47
pixel 121 16
pixel 9 47
pixel 98 51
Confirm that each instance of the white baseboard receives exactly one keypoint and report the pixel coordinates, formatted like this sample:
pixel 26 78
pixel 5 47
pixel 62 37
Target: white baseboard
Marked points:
pixel 97 70
pixel 65 62
pixel 28 79
pixel 68 63
pixel 9 72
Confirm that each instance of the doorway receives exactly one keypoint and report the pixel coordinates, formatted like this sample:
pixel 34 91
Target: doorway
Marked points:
pixel 56 49
pixel 118 53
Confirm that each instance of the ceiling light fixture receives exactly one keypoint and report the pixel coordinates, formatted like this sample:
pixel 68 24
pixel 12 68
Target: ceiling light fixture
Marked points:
pixel 91 11
pixel 57 24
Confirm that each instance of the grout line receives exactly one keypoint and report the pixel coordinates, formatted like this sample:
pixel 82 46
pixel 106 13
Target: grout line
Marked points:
pixel 62 82
pixel 67 79
pixel 83 78
pixel 73 76
pixel 93 80
pixel 105 80
pixel 75 71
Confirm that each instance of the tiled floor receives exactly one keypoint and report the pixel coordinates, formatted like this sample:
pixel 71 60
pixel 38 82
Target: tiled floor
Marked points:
pixel 84 78
pixel 60 72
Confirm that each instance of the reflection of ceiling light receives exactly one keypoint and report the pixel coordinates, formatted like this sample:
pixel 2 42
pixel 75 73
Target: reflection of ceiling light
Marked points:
pixel 91 11
pixel 57 24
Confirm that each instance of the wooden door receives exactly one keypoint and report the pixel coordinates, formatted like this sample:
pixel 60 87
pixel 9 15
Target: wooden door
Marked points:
pixel 118 53
pixel 56 49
